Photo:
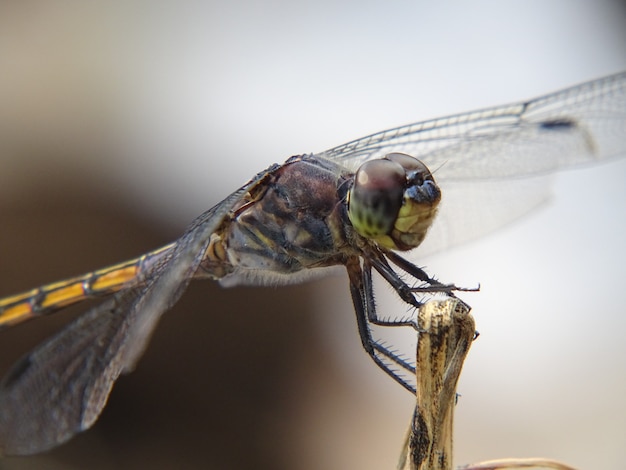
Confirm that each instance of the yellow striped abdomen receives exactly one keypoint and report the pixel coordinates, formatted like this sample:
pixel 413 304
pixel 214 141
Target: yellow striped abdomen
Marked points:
pixel 52 297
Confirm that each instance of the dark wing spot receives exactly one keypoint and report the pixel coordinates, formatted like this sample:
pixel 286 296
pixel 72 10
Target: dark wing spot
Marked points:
pixel 558 124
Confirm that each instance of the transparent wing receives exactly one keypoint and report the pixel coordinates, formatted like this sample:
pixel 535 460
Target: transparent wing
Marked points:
pixel 60 388
pixel 478 157
pixel 581 124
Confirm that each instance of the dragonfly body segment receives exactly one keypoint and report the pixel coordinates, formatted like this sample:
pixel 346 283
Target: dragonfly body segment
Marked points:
pixel 358 205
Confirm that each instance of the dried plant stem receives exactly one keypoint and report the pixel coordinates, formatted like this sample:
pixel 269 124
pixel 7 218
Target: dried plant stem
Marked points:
pixel 446 333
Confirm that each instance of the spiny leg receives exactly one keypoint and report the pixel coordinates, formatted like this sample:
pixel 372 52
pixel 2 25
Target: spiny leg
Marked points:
pixel 365 309
pixel 402 289
pixel 418 273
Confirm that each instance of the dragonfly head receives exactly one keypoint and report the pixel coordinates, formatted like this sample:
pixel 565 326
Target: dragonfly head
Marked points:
pixel 393 201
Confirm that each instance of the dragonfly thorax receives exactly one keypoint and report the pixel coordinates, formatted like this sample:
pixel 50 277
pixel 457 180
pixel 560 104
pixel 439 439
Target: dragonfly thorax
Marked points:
pixel 393 201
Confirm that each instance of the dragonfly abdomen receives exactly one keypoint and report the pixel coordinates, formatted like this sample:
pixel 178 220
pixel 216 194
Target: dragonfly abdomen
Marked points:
pixel 52 297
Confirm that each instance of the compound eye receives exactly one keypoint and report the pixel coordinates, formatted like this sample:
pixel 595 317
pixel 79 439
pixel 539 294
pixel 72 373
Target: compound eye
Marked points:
pixel 414 168
pixel 376 197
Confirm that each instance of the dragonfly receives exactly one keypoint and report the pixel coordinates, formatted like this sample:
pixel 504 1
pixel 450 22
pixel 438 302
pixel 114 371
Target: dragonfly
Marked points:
pixel 364 206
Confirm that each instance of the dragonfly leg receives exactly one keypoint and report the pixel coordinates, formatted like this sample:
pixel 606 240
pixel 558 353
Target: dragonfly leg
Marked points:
pixel 365 309
pixel 406 292
pixel 401 287
pixel 412 270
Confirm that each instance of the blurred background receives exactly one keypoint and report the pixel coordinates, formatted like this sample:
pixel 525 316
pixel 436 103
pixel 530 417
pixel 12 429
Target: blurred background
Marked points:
pixel 122 121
